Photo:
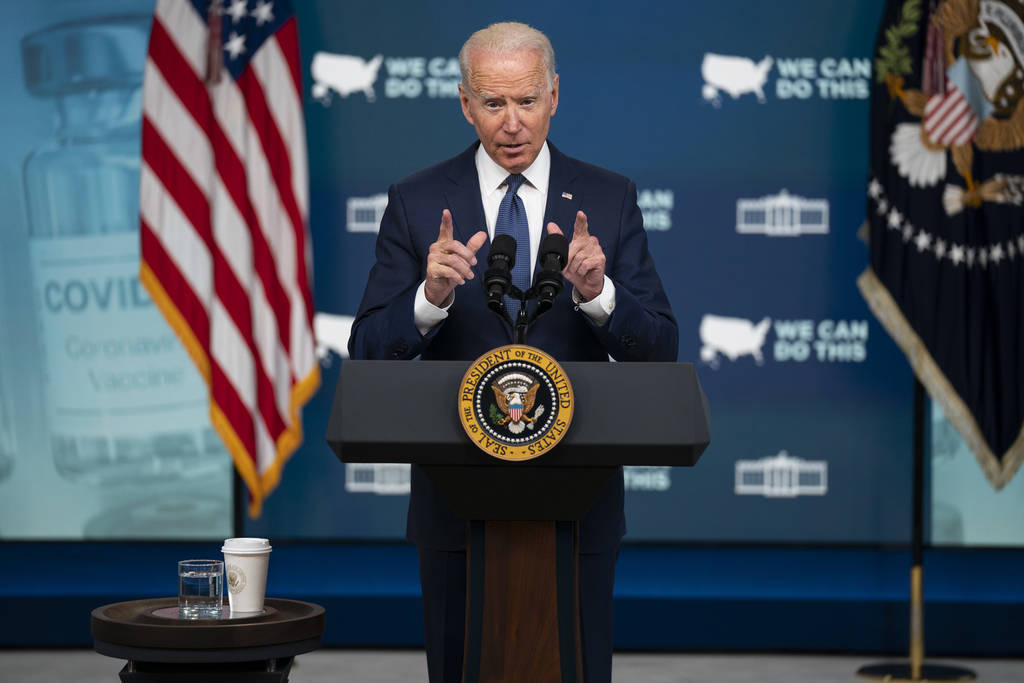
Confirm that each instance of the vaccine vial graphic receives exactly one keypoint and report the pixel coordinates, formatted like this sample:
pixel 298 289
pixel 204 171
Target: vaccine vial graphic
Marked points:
pixel 126 406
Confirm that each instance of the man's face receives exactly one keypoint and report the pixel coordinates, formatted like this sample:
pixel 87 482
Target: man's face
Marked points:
pixel 510 105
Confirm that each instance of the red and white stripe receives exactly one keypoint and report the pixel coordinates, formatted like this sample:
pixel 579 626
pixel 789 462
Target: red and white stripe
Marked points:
pixel 225 251
pixel 949 119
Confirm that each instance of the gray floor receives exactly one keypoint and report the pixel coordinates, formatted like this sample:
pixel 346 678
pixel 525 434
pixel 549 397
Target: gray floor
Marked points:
pixel 382 666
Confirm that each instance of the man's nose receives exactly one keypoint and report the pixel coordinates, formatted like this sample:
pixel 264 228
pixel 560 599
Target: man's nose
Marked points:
pixel 512 122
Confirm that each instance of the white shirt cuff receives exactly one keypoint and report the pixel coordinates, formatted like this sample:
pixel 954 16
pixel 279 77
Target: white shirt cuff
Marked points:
pixel 600 308
pixel 426 315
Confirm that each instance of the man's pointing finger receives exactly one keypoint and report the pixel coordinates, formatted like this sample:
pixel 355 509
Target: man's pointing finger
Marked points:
pixel 446 226
pixel 580 227
pixel 476 241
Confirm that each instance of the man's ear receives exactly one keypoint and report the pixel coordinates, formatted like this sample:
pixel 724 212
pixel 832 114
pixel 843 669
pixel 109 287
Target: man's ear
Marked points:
pixel 464 100
pixel 554 95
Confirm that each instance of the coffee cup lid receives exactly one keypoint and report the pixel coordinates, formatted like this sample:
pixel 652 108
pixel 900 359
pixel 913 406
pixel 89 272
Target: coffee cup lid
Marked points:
pixel 245 546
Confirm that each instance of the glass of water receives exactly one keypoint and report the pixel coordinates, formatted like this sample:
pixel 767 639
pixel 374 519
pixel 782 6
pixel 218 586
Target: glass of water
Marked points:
pixel 200 589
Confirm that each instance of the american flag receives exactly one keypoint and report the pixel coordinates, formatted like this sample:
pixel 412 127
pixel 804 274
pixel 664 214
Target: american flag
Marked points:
pixel 224 209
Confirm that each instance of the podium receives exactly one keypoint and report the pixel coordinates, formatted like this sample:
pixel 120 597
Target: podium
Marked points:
pixel 522 612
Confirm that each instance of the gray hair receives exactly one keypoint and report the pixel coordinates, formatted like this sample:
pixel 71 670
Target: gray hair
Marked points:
pixel 504 38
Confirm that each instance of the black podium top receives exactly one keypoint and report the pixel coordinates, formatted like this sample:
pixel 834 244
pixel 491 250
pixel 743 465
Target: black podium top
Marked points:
pixel 626 414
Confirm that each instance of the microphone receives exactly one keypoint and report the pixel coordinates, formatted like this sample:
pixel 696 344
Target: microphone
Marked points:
pixel 498 278
pixel 554 251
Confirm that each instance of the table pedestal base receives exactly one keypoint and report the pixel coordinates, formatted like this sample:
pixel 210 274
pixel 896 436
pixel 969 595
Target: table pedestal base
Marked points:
pixel 266 671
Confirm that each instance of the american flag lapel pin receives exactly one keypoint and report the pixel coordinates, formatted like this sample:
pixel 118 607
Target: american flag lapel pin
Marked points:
pixel 567 195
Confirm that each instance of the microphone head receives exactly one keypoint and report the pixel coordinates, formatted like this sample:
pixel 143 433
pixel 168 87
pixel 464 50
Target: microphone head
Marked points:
pixel 504 247
pixel 555 245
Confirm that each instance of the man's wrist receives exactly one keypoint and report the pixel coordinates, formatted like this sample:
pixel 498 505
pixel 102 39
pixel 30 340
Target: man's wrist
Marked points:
pixel 599 308
pixel 581 297
pixel 425 314
pixel 433 297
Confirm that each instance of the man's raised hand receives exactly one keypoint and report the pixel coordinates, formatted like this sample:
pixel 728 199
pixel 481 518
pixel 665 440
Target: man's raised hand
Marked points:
pixel 449 262
pixel 585 266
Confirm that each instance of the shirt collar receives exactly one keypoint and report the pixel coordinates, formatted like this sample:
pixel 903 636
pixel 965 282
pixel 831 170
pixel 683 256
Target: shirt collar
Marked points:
pixel 492 176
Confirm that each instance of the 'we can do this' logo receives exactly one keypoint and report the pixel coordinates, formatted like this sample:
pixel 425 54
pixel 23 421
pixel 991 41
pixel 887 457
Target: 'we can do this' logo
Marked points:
pixel 404 77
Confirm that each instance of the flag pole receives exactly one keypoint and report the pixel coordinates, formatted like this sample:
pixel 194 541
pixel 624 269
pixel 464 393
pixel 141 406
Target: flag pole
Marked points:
pixel 916 669
pixel 241 502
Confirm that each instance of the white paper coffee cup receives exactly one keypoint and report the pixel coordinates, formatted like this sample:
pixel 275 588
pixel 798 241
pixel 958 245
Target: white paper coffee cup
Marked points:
pixel 245 568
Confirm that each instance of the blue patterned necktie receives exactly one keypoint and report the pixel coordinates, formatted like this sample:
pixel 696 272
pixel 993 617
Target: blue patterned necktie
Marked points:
pixel 512 221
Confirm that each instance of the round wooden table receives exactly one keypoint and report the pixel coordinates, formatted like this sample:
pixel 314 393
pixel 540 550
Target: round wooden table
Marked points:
pixel 161 646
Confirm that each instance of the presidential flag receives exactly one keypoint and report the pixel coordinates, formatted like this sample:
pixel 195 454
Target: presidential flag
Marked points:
pixel 945 209
pixel 224 213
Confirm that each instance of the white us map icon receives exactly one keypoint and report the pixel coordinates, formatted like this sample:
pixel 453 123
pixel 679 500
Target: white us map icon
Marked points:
pixel 734 75
pixel 732 338
pixel 343 74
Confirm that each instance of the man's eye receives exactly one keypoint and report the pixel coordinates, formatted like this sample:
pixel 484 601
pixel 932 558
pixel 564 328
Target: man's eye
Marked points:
pixel 528 102
pixel 492 105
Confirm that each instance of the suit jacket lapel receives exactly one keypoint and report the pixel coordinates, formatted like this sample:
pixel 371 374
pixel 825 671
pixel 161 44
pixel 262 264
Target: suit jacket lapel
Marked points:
pixel 565 196
pixel 463 197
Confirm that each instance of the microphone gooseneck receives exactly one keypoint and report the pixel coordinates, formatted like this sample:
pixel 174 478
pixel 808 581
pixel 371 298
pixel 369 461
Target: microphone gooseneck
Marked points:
pixel 554 252
pixel 500 260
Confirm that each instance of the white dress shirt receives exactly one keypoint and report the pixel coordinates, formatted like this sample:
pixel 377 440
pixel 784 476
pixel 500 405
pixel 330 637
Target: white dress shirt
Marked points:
pixel 534 194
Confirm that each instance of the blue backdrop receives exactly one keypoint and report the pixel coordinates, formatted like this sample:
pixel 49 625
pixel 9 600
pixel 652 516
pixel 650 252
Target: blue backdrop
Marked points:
pixel 831 388
pixel 744 125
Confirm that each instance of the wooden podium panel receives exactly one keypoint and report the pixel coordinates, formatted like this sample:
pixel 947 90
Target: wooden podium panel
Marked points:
pixel 522 603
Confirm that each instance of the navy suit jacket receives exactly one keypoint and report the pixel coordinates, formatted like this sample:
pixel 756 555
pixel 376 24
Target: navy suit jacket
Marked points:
pixel 641 328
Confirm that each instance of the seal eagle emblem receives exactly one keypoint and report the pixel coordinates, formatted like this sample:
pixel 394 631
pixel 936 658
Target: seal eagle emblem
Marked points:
pixel 515 394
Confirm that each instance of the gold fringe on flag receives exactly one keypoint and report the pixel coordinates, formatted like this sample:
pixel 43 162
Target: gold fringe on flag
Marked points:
pixel 941 391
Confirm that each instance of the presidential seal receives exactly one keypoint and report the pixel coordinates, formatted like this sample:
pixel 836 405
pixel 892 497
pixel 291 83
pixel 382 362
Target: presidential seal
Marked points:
pixel 515 402
pixel 236 579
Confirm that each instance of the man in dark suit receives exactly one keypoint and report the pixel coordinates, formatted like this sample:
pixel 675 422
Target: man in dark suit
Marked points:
pixel 416 303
